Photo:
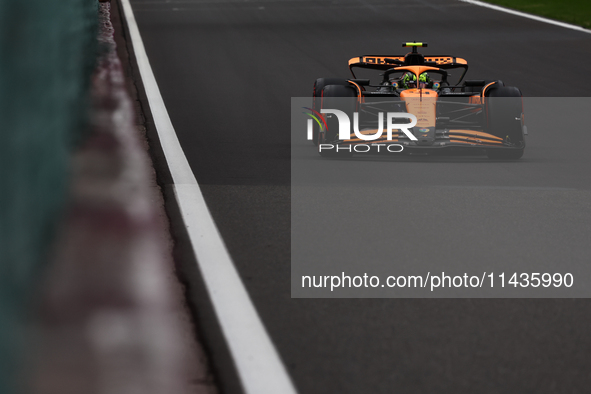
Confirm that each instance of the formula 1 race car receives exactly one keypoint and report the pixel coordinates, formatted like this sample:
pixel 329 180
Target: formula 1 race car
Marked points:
pixel 482 116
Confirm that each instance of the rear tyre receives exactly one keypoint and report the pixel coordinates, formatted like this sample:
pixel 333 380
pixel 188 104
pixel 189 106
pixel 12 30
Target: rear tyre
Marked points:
pixel 504 111
pixel 319 86
pixel 342 98
pixel 476 86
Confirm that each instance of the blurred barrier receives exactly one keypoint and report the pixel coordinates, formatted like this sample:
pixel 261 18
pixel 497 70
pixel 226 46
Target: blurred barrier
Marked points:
pixel 47 51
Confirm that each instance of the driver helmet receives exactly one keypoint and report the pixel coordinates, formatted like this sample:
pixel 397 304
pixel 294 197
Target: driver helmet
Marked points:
pixel 410 80
pixel 424 80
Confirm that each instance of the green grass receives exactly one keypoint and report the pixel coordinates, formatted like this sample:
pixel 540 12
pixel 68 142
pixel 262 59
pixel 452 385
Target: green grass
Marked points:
pixel 576 12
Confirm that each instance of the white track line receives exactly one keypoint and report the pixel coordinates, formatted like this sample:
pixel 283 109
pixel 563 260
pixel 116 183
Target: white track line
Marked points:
pixel 529 16
pixel 258 364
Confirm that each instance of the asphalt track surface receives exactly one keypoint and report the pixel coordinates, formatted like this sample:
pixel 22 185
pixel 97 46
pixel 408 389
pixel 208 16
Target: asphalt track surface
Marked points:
pixel 227 71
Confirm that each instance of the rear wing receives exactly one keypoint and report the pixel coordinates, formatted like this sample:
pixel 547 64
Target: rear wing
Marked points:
pixel 385 62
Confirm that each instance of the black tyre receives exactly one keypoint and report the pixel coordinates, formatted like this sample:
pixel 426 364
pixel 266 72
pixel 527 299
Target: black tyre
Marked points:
pixel 504 110
pixel 319 85
pixel 342 98
pixel 476 86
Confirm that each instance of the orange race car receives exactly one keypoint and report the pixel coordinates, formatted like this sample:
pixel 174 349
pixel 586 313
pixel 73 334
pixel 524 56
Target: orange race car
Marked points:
pixel 417 108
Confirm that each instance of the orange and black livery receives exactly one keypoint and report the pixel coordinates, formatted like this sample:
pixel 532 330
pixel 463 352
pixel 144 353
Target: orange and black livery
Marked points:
pixel 452 113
